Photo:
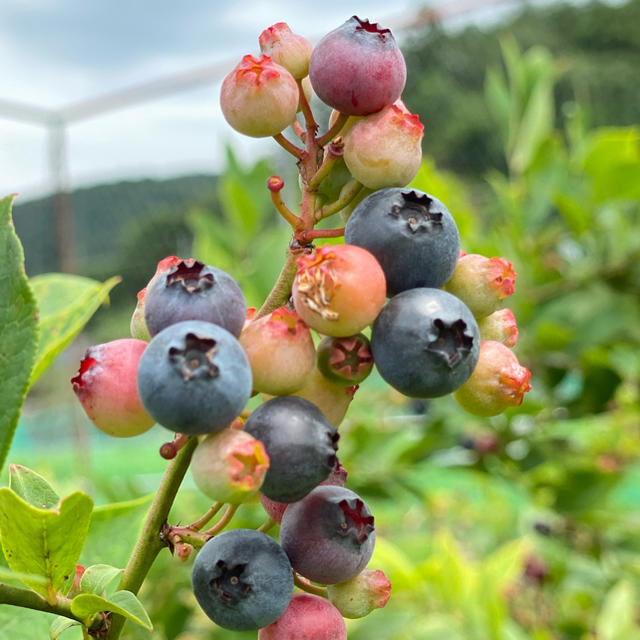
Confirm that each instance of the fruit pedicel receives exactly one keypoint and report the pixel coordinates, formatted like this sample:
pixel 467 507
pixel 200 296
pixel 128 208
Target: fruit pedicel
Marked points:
pixel 436 321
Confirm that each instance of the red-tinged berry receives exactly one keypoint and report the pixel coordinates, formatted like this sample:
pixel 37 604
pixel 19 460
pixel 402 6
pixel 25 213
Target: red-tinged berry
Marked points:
pixel 358 68
pixel 345 361
pixel 329 535
pixel 499 326
pixel 482 283
pixel 287 49
pixel 308 617
pixel 385 148
pixel 339 289
pixel 331 398
pixel 259 98
pixel 280 350
pixel 359 596
pixel 229 466
pixel 498 382
pixel 107 389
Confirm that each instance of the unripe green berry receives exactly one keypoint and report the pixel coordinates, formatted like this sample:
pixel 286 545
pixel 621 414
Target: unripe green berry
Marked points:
pixel 259 98
pixel 359 596
pixel 287 49
pixel 499 326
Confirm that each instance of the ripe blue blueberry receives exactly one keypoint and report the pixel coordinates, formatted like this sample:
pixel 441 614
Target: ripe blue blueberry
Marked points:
pixel 425 342
pixel 194 377
pixel 329 535
pixel 191 290
pixel 242 579
pixel 411 233
pixel 300 442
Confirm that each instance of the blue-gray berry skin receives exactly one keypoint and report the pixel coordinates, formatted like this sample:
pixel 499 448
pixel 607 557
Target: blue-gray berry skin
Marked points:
pixel 425 342
pixel 300 442
pixel 329 535
pixel 411 233
pixel 242 579
pixel 194 377
pixel 191 290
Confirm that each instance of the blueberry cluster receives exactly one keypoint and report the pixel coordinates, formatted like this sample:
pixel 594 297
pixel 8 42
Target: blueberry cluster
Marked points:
pixel 398 294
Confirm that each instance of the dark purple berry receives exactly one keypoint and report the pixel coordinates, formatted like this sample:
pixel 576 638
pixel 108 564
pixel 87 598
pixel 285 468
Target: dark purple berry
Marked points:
pixel 411 233
pixel 300 442
pixel 425 343
pixel 329 535
pixel 194 378
pixel 358 68
pixel 191 290
pixel 242 579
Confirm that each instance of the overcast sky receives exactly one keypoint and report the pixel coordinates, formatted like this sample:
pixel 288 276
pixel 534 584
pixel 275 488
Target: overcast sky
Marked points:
pixel 57 52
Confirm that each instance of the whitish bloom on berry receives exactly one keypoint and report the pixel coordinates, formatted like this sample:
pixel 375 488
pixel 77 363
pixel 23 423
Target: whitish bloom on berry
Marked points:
pixel 482 283
pixel 259 98
pixel 498 382
pixel 287 49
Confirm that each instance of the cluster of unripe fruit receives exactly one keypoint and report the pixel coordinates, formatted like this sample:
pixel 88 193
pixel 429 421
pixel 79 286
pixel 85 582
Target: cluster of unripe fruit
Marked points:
pixel 197 354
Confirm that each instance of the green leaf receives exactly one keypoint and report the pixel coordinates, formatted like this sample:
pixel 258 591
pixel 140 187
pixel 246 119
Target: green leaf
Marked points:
pixel 45 542
pixel 113 531
pixel 9 576
pixel 19 333
pixel 62 624
pixel 32 487
pixel 124 603
pixel 97 578
pixel 616 619
pixel 66 303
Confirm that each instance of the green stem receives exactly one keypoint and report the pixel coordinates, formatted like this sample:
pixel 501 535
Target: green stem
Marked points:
pixel 309 120
pixel 284 211
pixel 149 544
pixel 288 146
pixel 19 597
pixel 267 525
pixel 213 509
pixel 223 522
pixel 322 172
pixel 334 130
pixel 281 291
pixel 348 193
pixel 305 585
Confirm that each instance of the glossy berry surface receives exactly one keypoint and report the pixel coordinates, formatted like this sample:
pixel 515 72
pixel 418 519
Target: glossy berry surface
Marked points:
pixel 358 68
pixel 192 290
pixel 411 233
pixel 425 343
pixel 339 289
pixel 194 377
pixel 300 442
pixel 106 387
pixel 308 617
pixel 329 535
pixel 242 579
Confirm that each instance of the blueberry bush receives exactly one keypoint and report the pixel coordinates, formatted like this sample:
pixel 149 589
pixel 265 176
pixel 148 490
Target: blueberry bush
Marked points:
pixel 483 512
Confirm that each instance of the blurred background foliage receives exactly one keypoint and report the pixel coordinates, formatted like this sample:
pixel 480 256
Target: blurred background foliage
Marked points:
pixel 520 527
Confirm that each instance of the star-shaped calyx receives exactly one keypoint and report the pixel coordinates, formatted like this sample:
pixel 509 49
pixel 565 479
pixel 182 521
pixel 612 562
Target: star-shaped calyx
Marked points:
pixel 196 360
pixel 450 341
pixel 357 521
pixel 351 357
pixel 416 213
pixel 228 583
pixel 189 275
